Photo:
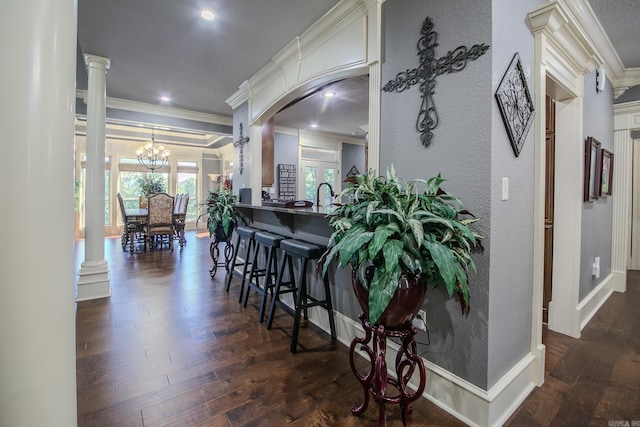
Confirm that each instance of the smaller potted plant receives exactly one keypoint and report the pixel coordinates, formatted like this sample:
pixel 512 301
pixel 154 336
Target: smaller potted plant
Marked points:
pixel 398 240
pixel 150 184
pixel 220 207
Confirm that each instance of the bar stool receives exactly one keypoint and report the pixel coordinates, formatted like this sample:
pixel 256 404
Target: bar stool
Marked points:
pixel 244 235
pixel 270 243
pixel 304 251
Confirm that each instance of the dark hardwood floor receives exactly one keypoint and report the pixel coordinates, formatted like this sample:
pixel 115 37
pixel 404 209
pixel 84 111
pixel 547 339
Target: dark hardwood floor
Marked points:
pixel 171 348
pixel 594 380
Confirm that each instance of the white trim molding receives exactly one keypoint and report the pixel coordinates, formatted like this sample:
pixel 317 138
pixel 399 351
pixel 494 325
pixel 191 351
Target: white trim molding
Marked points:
pixel 626 119
pixel 161 110
pixel 590 305
pixel 465 401
pixel 335 47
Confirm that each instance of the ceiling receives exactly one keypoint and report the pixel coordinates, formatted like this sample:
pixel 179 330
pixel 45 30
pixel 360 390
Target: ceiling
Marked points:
pixel 163 48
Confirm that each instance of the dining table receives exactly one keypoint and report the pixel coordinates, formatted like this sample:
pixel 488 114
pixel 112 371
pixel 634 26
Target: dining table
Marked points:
pixel 141 216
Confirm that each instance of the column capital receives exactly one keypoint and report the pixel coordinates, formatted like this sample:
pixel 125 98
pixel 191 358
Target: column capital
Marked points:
pixel 97 61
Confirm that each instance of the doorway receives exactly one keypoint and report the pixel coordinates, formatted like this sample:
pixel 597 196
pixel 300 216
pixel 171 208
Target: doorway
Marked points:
pixel 550 159
pixel 314 173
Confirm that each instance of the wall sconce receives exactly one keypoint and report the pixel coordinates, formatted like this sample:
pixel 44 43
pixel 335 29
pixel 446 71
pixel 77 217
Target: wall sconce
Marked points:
pixel 600 79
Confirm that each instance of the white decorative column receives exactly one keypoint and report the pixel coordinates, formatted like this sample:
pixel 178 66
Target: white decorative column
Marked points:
pixel 37 308
pixel 374 53
pixel 626 120
pixel 93 277
pixel 373 137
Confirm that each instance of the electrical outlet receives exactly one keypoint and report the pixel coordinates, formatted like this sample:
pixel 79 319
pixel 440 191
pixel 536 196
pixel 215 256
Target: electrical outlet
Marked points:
pixel 420 321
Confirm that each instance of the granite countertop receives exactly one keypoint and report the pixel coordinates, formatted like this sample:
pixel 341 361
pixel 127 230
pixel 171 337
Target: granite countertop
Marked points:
pixel 311 211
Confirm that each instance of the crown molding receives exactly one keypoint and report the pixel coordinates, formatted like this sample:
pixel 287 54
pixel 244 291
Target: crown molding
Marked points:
pixel 336 19
pixel 161 110
pixel 630 78
pixel 587 25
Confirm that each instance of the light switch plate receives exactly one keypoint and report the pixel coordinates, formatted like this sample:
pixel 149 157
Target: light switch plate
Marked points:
pixel 505 188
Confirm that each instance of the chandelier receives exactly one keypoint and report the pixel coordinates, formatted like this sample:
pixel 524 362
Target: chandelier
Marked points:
pixel 153 156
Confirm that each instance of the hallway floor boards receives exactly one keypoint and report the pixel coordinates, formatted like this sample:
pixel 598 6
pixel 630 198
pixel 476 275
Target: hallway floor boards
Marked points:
pixel 171 348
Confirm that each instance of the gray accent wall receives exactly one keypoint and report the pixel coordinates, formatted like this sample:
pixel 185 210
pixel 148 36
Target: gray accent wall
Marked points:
pixel 460 151
pixel 471 150
pixel 596 216
pixel 241 115
pixel 285 151
pixel 511 238
pixel 352 155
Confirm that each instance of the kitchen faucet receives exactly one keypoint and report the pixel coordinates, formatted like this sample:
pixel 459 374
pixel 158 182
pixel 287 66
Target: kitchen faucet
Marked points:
pixel 318 192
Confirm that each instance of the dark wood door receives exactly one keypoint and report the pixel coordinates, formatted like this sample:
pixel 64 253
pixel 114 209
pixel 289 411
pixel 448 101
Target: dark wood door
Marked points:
pixel 550 139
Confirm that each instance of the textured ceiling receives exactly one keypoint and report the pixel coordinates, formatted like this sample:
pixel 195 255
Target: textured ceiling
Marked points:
pixel 621 21
pixel 162 47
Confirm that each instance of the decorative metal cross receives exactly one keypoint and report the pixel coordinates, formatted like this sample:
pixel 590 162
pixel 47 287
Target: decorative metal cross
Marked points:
pixel 431 67
pixel 240 143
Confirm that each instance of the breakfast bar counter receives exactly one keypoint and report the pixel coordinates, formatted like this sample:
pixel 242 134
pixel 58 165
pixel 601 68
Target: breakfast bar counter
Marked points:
pixel 304 223
pixel 311 225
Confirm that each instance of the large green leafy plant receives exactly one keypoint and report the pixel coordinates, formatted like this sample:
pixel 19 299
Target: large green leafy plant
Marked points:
pixel 221 208
pixel 151 183
pixel 390 225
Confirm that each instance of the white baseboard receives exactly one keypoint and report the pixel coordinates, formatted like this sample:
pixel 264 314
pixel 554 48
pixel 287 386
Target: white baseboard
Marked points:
pixel 588 307
pixel 465 401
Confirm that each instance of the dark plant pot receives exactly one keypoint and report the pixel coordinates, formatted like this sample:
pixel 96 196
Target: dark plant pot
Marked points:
pixel 403 307
pixel 221 236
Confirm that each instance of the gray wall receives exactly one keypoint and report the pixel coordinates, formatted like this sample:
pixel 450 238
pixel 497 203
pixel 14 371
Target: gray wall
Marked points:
pixel 511 238
pixel 460 150
pixel 285 151
pixel 472 151
pixel 352 155
pixel 596 216
pixel 241 115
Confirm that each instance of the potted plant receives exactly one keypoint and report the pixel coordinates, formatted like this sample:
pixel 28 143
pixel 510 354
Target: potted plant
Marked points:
pixel 150 184
pixel 220 206
pixel 398 240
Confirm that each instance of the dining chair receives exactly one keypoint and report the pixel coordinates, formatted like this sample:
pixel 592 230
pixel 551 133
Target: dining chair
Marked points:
pixel 131 230
pixel 160 223
pixel 180 217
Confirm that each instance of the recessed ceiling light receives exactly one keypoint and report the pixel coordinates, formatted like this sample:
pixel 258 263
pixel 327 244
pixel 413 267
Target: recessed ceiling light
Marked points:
pixel 329 94
pixel 165 99
pixel 313 125
pixel 207 14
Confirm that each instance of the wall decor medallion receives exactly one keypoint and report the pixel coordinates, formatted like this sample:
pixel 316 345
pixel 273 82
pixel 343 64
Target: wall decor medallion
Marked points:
pixel 515 104
pixel 428 70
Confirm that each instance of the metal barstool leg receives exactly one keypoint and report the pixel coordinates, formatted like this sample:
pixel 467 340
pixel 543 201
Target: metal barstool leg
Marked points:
pixel 244 268
pixel 300 305
pixel 253 272
pixel 233 262
pixel 276 291
pixel 327 295
pixel 268 284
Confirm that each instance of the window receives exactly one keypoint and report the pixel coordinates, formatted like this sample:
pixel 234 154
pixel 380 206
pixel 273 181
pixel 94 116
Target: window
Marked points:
pixel 187 183
pixel 318 165
pixel 129 174
pixel 314 174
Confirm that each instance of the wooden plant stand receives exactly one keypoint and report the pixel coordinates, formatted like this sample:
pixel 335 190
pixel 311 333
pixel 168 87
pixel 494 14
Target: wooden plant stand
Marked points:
pixel 376 381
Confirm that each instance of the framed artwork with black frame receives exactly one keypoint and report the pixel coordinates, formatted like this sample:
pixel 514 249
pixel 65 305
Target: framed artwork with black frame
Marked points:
pixel 515 104
pixel 606 173
pixel 592 172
